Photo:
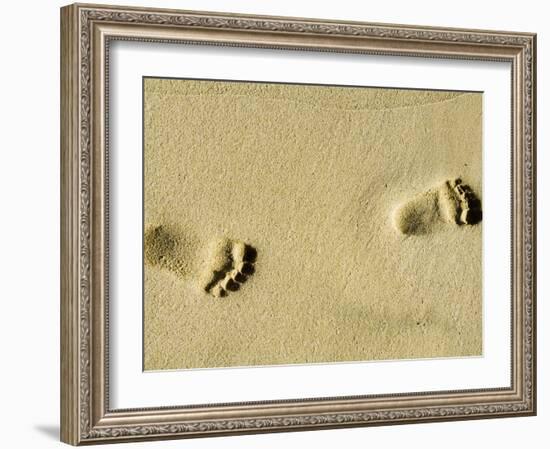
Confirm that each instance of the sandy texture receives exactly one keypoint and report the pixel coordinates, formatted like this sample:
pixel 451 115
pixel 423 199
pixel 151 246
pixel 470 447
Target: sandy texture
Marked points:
pixel 317 180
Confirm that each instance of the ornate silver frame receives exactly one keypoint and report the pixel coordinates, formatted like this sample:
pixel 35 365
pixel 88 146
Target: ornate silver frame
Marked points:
pixel 86 31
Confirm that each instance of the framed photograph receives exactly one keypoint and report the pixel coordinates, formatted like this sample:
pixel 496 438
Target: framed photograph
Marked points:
pixel 280 224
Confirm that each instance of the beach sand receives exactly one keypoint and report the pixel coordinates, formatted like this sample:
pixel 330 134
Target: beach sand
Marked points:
pixel 345 196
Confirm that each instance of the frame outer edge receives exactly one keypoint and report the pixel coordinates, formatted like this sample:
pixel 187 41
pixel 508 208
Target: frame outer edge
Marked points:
pixel 69 428
pixel 533 136
pixel 78 423
pixel 535 375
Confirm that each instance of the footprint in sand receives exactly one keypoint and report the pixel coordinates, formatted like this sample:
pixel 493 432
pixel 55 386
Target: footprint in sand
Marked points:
pixel 166 250
pixel 229 265
pixel 451 202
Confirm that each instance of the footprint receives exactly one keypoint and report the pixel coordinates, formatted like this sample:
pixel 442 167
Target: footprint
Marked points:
pixel 451 202
pixel 230 264
pixel 163 249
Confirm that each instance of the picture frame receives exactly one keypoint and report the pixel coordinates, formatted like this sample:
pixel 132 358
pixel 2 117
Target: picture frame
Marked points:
pixel 87 414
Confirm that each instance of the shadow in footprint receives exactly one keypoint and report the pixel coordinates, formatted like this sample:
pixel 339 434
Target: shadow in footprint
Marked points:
pixel 470 205
pixel 250 254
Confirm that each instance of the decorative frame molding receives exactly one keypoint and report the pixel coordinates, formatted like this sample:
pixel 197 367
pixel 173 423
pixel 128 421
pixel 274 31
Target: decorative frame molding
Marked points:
pixel 86 31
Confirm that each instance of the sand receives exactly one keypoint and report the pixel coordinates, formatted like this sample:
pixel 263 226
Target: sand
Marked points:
pixel 309 224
